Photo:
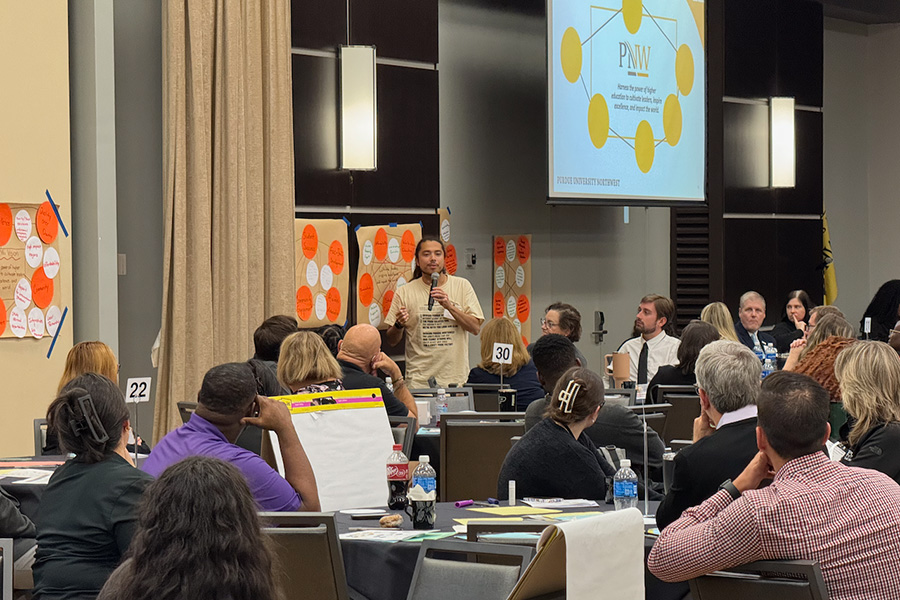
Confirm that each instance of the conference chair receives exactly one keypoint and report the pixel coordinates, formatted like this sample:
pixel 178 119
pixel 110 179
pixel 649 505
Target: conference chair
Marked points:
pixel 450 570
pixel 620 396
pixel 655 415
pixel 763 579
pixel 186 409
pixel 6 562
pixel 309 553
pixel 404 435
pixel 485 396
pixel 685 408
pixel 40 436
pixel 458 398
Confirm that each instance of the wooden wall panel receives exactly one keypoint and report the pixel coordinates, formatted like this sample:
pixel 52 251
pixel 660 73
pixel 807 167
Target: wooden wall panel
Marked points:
pixel 318 24
pixel 399 29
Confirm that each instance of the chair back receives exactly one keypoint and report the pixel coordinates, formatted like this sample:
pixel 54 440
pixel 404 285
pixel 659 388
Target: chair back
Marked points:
pixel 620 396
pixel 450 570
pixel 309 553
pixel 458 398
pixel 473 448
pixel 405 436
pixel 655 415
pixel 486 396
pixel 40 436
pixel 763 579
pixel 685 408
pixel 186 409
pixel 6 563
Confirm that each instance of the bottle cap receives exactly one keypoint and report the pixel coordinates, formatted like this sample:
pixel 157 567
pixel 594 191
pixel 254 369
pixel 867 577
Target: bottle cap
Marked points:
pixel 441 391
pixel 388 379
pixel 398 447
pixel 625 462
pixel 423 458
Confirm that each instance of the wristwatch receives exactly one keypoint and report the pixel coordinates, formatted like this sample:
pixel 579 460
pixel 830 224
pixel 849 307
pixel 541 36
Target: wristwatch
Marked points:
pixel 729 487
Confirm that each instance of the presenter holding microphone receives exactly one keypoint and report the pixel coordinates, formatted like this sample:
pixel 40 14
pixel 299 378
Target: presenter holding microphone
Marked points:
pixel 437 312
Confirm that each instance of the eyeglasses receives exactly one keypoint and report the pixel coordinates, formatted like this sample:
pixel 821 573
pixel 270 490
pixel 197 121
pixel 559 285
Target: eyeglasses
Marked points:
pixel 893 331
pixel 548 324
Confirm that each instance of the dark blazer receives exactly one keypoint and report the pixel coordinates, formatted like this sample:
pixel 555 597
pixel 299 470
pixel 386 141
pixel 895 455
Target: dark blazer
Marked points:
pixel 702 467
pixel 744 337
pixel 878 449
pixel 668 375
pixel 784 333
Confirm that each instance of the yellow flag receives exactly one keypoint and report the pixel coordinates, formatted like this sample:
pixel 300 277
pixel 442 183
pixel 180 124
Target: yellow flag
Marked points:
pixel 831 287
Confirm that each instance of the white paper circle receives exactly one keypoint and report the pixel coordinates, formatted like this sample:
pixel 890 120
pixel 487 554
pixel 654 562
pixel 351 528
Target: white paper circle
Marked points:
pixel 511 307
pixel 18 322
pixel 23 225
pixel 520 276
pixel 321 306
pixel 375 314
pixel 510 251
pixel 401 281
pixel 34 252
pixel 51 262
pixel 36 322
pixel 500 277
pixel 367 252
pixel 518 324
pixel 54 316
pixel 312 273
pixel 326 277
pixel 445 230
pixel 23 294
pixel 394 250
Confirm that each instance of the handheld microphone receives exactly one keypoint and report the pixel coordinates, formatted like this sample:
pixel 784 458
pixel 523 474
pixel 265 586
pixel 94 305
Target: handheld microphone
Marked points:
pixel 435 277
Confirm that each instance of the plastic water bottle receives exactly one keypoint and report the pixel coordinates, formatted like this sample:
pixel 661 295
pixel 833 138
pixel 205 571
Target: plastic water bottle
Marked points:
pixel 625 486
pixel 770 364
pixel 424 475
pixel 389 383
pixel 759 354
pixel 397 478
pixel 441 403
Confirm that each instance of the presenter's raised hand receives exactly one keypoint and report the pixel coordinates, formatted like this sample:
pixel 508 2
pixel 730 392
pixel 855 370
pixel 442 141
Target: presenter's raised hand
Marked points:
pixel 273 415
pixel 441 297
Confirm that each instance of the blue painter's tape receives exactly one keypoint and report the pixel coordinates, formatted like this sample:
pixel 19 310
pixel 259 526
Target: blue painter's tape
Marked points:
pixel 59 327
pixel 448 211
pixel 392 224
pixel 58 217
pixel 357 228
pixel 347 221
pixel 422 225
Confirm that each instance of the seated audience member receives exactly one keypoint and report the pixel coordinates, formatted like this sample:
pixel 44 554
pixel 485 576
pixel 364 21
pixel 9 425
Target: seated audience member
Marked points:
pixel 520 375
pixel 563 319
pixel 360 357
pixel 751 314
pixel 89 510
pixel 819 312
pixel 894 338
pixel 267 341
pixel 15 525
pixel 869 376
pixel 794 320
pixel 718 315
pixel 332 336
pixel 226 403
pixel 198 537
pixel 306 365
pixel 616 425
pixel 555 458
pixel 724 433
pixel 884 310
pixel 694 337
pixel 655 345
pixel 841 517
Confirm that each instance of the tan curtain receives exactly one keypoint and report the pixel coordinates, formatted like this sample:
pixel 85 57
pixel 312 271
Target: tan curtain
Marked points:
pixel 229 186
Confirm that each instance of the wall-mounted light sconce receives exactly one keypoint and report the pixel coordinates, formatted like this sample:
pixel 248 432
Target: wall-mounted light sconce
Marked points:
pixel 782 143
pixel 359 137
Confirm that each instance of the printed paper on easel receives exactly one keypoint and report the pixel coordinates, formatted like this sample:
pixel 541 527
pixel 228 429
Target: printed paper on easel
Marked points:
pixel 323 277
pixel 512 281
pixel 451 262
pixel 386 260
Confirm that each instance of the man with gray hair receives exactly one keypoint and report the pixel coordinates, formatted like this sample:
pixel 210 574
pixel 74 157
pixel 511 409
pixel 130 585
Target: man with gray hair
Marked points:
pixel 751 314
pixel 728 376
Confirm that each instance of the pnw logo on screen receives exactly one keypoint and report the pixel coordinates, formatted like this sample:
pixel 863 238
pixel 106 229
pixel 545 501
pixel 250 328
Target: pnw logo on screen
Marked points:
pixel 635 58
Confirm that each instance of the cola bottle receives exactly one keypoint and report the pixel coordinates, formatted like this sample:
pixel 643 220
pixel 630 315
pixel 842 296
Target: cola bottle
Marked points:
pixel 398 478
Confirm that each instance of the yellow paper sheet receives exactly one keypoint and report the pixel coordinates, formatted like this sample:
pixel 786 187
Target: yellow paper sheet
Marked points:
pixel 515 510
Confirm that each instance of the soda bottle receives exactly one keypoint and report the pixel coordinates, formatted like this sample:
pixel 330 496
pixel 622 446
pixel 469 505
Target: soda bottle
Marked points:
pixel 625 486
pixel 424 475
pixel 397 476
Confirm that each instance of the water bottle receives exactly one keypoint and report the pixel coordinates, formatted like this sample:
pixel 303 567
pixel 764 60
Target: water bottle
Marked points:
pixel 389 383
pixel 397 477
pixel 625 486
pixel 759 354
pixel 441 403
pixel 424 475
pixel 770 363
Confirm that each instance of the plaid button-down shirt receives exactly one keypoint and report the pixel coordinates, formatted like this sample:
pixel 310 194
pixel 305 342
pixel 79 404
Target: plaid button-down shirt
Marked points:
pixel 847 519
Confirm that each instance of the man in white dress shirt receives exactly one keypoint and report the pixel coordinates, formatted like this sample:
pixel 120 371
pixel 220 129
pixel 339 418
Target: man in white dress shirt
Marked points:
pixel 656 345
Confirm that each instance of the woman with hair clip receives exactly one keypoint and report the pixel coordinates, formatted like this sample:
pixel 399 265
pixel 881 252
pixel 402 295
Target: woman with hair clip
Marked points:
pixel 88 511
pixel 199 537
pixel 555 458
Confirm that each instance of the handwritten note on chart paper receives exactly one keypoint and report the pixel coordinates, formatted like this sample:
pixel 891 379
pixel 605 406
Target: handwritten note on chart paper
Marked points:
pixel 386 256
pixel 323 276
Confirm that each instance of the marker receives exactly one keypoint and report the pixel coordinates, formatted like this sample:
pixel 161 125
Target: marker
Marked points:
pixel 464 503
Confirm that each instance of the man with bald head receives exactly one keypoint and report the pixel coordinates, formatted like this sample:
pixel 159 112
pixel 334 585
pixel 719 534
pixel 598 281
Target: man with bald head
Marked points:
pixel 360 356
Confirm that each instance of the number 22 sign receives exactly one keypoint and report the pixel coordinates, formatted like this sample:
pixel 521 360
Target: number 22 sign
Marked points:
pixel 137 390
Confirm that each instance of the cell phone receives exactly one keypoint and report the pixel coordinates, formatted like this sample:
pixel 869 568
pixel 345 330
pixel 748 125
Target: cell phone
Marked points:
pixel 368 517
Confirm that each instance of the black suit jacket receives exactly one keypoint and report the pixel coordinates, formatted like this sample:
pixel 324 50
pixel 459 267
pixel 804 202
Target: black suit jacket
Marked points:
pixel 744 336
pixel 702 467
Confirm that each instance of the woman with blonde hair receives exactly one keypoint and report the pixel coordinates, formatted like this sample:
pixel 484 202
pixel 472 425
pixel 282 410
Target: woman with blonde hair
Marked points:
pixel 89 357
pixel 717 315
pixel 521 375
pixel 305 365
pixel 869 376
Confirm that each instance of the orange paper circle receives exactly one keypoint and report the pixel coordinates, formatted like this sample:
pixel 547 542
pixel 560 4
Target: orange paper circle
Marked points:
pixel 450 259
pixel 366 289
pixel 304 303
pixel 525 341
pixel 41 288
pixel 332 304
pixel 499 251
pixel 523 249
pixel 498 304
pixel 408 246
pixel 336 257
pixel 523 308
pixel 381 244
pixel 6 224
pixel 46 222
pixel 2 316
pixel 309 241
pixel 386 302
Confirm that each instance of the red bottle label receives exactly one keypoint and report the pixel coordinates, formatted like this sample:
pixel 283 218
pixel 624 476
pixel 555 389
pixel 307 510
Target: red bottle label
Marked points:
pixel 398 472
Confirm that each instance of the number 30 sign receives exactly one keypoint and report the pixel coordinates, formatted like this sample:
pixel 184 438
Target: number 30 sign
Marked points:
pixel 502 353
pixel 137 390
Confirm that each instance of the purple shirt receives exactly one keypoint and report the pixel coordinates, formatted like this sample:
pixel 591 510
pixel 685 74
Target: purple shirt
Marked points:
pixel 200 437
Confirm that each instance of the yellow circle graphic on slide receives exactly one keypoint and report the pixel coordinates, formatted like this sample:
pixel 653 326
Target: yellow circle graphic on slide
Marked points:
pixel 684 69
pixel 598 120
pixel 570 55
pixel 632 12
pixel 672 119
pixel 644 146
